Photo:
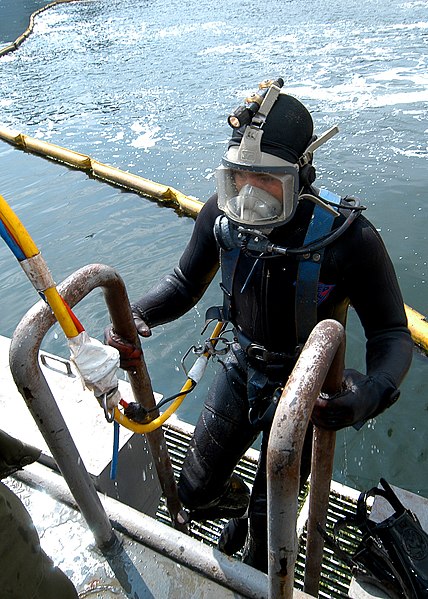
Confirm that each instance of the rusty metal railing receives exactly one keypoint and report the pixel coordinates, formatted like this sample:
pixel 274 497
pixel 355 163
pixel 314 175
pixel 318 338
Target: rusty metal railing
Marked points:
pixel 33 387
pixel 320 366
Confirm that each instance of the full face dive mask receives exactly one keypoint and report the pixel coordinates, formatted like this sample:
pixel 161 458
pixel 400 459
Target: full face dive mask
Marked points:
pixel 258 182
pixel 257 197
pixel 256 188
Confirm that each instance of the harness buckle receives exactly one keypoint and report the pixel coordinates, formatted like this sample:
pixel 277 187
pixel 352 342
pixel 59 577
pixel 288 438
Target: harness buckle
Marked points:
pixel 257 352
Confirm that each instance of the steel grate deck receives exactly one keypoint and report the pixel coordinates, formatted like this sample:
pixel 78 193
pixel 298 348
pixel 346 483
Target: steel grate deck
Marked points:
pixel 335 577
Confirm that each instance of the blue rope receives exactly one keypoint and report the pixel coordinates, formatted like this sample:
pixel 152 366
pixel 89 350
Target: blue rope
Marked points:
pixel 113 466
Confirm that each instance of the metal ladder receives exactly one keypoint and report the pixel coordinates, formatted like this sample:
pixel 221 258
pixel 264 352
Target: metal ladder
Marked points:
pixel 320 366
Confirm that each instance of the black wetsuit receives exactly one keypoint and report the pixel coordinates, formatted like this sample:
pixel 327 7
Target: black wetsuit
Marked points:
pixel 356 269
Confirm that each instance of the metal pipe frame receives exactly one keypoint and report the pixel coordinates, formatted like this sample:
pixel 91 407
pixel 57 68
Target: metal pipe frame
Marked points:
pixel 323 446
pixel 285 448
pixel 30 381
pixel 180 548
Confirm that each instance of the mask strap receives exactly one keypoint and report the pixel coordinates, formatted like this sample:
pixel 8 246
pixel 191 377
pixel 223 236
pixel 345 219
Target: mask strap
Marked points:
pixel 307 156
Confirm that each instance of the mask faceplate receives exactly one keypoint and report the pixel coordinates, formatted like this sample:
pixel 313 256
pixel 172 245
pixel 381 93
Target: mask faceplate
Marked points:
pixel 258 196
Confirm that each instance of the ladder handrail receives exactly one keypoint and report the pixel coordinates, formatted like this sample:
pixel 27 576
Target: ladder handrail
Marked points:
pixel 322 353
pixel 29 379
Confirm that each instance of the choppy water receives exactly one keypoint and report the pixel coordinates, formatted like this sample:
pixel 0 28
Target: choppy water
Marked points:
pixel 146 86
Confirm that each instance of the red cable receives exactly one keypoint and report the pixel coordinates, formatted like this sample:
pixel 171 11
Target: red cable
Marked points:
pixel 80 328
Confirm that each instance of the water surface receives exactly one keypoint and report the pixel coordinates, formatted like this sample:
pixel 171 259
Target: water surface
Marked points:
pixel 147 86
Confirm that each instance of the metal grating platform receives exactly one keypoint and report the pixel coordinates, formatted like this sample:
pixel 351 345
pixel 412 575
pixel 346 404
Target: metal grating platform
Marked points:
pixel 335 578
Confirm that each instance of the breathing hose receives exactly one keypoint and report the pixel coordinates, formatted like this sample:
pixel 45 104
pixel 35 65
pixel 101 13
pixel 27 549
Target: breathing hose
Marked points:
pixel 36 269
pixel 194 376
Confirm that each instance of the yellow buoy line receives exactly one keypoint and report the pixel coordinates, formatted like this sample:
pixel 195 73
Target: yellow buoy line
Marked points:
pixel 418 326
pixel 190 206
pixel 163 193
pixel 15 45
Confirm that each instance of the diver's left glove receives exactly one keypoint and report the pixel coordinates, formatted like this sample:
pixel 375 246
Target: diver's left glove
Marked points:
pixel 142 327
pixel 130 356
pixel 362 397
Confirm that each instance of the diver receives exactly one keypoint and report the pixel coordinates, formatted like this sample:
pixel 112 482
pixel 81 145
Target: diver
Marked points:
pixel 290 256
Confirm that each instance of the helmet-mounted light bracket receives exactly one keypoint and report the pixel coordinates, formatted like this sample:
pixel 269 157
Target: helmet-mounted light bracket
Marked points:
pixel 306 158
pixel 265 107
pixel 250 148
pixel 243 115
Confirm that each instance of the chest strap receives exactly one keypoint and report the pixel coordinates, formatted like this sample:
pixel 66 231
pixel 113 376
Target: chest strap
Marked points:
pixel 229 262
pixel 306 301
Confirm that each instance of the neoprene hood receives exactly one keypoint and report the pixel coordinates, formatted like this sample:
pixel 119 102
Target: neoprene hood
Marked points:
pixel 287 132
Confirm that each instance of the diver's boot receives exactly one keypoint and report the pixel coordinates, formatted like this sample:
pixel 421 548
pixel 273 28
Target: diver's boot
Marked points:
pixel 255 550
pixel 233 536
pixel 233 503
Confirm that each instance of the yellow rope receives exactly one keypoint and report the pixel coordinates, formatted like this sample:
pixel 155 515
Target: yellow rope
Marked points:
pixel 157 422
pixel 418 326
pixel 61 313
pixel 17 229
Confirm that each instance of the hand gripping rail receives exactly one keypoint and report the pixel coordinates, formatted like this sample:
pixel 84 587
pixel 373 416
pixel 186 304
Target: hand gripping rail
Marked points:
pixel 320 367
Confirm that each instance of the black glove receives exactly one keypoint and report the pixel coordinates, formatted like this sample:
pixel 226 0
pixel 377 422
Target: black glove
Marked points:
pixel 362 397
pixel 143 329
pixel 130 356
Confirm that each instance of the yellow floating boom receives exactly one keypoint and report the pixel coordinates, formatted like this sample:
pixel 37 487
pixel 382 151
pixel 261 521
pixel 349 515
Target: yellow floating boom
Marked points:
pixel 190 206
pixel 19 40
pixel 163 193
pixel 418 326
